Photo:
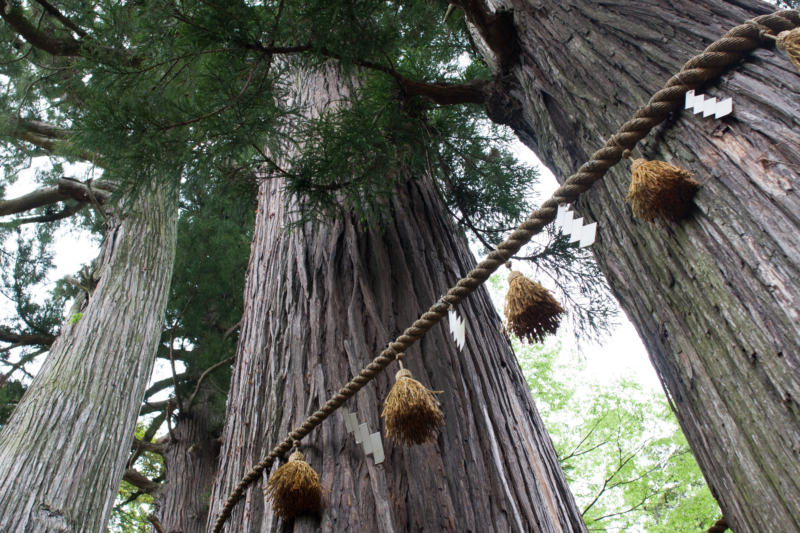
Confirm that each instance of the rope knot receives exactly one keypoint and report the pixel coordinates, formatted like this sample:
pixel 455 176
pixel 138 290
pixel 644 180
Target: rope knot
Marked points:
pixel 764 32
pixel 403 373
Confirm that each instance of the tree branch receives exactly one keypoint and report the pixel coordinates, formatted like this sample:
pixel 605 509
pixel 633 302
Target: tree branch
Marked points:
pixel 22 362
pixel 55 13
pixel 66 189
pixel 158 386
pixel 203 376
pixel 25 339
pixel 156 524
pixel 152 447
pixel 496 29
pixel 56 46
pixel 67 212
pixel 46 136
pixel 140 481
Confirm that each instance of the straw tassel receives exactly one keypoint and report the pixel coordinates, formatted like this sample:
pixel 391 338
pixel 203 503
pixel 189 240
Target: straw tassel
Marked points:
pixel 660 190
pixel 294 488
pixel 531 311
pixel 412 412
pixel 790 42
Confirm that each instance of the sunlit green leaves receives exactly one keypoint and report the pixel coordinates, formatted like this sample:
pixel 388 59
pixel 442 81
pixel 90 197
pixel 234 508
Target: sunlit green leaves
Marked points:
pixel 620 447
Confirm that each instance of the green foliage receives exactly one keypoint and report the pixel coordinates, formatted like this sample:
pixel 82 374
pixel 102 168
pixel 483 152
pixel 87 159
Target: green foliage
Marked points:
pixel 130 512
pixel 75 318
pixel 206 299
pixel 205 91
pixel 620 447
pixel 10 394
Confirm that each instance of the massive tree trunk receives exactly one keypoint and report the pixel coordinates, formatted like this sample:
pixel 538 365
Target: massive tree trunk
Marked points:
pixel 716 297
pixel 63 451
pixel 190 461
pixel 320 303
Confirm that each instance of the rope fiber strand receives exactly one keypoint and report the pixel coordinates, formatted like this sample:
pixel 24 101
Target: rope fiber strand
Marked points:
pixel 731 48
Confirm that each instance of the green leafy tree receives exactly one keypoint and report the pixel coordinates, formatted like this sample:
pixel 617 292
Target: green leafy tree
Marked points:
pixel 620 447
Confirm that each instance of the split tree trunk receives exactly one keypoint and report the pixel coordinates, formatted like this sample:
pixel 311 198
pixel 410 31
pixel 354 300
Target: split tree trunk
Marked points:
pixel 715 298
pixel 190 461
pixel 319 305
pixel 63 451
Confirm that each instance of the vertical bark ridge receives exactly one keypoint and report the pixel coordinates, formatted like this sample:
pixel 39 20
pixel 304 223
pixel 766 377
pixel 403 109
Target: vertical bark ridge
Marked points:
pixel 715 298
pixel 63 451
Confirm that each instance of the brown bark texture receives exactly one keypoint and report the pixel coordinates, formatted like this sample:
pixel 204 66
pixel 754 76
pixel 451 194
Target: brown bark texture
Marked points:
pixel 63 451
pixel 320 303
pixel 716 297
pixel 190 461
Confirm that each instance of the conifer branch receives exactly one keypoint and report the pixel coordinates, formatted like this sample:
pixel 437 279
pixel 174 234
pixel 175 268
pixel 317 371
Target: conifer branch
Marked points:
pixel 56 46
pixel 55 13
pixel 156 523
pixel 23 339
pixel 203 377
pixel 152 447
pixel 140 481
pixel 71 209
pixel 46 136
pixel 495 28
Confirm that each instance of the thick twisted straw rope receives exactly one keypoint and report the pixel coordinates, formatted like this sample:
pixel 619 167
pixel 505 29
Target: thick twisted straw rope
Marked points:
pixel 701 68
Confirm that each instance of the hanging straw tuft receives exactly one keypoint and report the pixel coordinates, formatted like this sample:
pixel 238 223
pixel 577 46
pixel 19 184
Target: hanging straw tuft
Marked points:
pixel 531 311
pixel 790 41
pixel 294 488
pixel 660 190
pixel 412 412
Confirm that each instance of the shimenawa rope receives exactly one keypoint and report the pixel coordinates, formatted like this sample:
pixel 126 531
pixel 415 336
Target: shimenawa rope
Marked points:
pixel 698 70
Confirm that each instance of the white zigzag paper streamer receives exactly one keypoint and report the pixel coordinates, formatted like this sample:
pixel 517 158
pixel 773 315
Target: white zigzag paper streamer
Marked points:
pixel 584 235
pixel 699 104
pixel 373 444
pixel 458 328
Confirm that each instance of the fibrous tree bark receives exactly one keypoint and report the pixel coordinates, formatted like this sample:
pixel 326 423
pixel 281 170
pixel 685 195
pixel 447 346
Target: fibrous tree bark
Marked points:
pixel 320 303
pixel 190 461
pixel 63 451
pixel 715 298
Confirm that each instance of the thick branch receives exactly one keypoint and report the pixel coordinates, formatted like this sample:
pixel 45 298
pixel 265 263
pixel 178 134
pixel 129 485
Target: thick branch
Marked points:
pixel 158 386
pixel 470 92
pixel 156 523
pixel 83 192
pixel 153 407
pixel 140 481
pixel 66 190
pixel 68 211
pixel 55 13
pixel 45 136
pixel 496 29
pixel 153 447
pixel 155 425
pixel 57 46
pixel 35 339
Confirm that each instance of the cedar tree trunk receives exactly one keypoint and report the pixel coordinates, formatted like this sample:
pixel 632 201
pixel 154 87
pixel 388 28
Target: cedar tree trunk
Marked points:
pixel 190 462
pixel 715 298
pixel 320 304
pixel 63 451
